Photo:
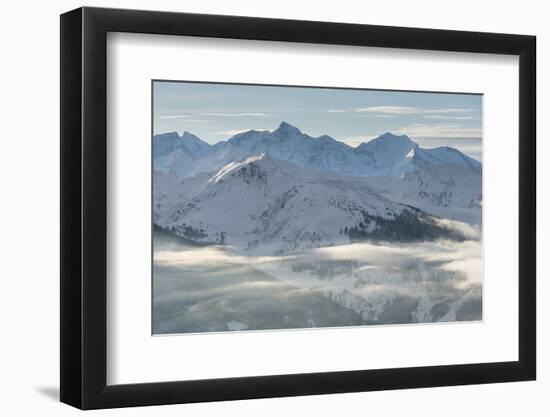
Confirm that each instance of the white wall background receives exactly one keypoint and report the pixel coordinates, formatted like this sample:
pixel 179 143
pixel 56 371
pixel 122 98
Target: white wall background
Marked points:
pixel 29 175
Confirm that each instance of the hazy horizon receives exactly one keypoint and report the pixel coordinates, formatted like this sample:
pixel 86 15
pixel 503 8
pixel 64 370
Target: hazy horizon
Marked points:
pixel 215 112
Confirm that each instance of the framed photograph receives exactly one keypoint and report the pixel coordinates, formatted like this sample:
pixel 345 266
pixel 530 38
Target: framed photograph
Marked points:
pixel 256 208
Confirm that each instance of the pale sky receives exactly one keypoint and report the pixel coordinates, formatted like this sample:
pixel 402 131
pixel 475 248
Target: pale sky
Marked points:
pixel 215 112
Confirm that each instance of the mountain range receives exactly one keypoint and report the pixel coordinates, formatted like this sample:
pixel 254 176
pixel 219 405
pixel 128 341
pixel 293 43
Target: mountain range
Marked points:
pixel 283 190
pixel 386 155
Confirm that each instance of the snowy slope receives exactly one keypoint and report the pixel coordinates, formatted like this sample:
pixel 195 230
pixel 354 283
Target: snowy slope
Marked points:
pixel 282 207
pixel 448 190
pixel 170 192
pixel 444 185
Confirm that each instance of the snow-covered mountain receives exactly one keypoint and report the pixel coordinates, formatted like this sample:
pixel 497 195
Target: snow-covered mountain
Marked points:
pixel 178 155
pixel 447 190
pixel 279 207
pixel 169 191
pixel 166 143
pixel 395 155
pixel 288 143
pixel 444 185
pixel 287 189
pixel 386 155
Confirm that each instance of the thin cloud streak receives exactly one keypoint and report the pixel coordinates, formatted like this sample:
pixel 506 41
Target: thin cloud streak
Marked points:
pixel 388 109
pixel 440 131
pixel 403 110
pixel 173 116
pixel 440 117
pixel 236 114
pixel 448 110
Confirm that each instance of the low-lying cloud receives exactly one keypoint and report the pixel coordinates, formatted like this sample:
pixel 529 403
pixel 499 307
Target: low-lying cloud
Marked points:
pixel 209 288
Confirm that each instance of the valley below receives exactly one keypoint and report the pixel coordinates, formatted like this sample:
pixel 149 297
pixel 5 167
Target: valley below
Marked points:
pixel 213 288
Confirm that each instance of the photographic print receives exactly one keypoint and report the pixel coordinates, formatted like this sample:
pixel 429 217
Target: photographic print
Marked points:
pixel 288 207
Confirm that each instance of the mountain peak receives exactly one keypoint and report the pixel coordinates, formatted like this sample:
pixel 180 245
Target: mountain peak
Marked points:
pixel 168 136
pixel 286 128
pixel 385 140
pixel 188 135
pixel 390 136
pixel 165 143
pixel 326 138
pixel 195 145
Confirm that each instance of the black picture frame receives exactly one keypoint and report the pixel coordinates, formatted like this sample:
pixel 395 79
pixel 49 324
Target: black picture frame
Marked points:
pixel 84 207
